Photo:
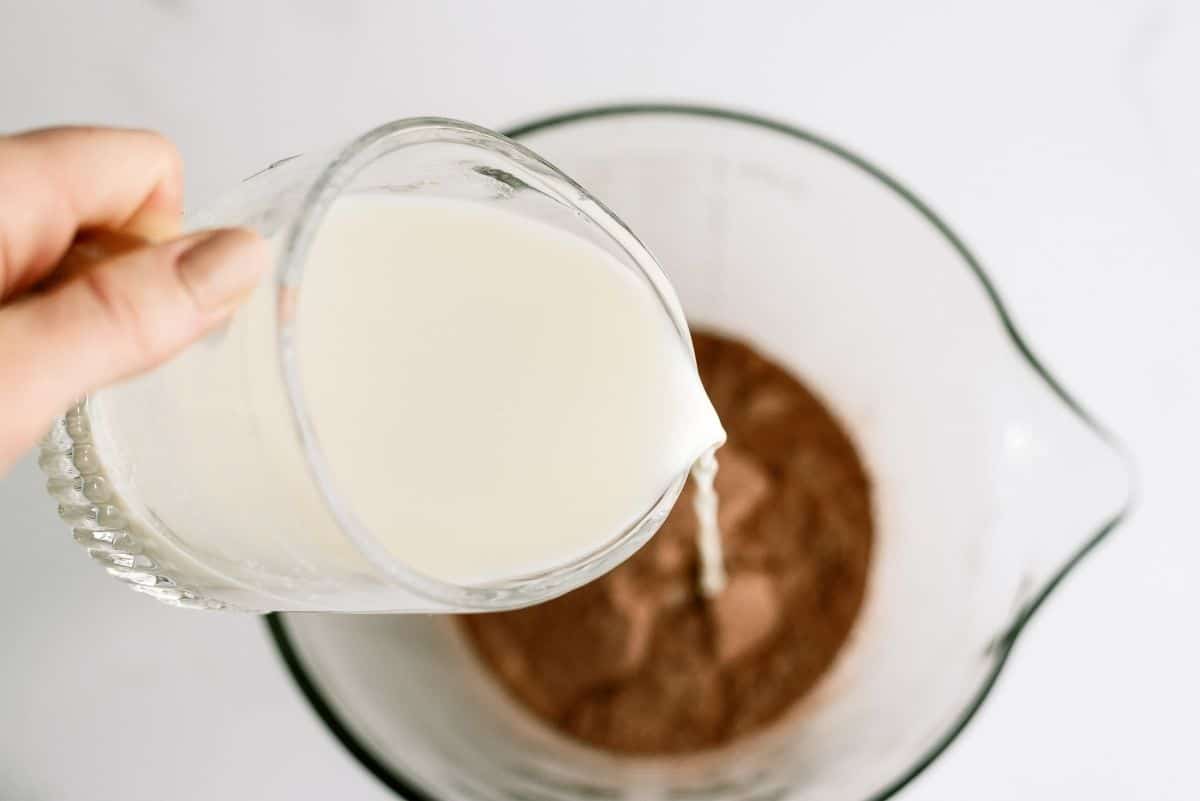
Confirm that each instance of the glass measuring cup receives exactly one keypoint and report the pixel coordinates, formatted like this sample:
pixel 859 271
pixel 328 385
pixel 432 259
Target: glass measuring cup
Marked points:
pixel 222 498
pixel 990 481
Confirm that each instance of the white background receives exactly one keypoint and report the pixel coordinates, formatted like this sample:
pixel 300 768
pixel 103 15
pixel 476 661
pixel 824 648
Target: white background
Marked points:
pixel 1058 138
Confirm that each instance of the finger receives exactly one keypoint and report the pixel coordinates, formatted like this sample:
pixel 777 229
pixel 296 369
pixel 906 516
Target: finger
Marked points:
pixel 117 318
pixel 56 181
pixel 88 249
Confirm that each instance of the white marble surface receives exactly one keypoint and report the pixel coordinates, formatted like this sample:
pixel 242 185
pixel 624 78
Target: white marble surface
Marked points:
pixel 1058 138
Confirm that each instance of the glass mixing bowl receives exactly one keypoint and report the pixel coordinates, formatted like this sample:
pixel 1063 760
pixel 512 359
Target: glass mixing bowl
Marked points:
pixel 990 481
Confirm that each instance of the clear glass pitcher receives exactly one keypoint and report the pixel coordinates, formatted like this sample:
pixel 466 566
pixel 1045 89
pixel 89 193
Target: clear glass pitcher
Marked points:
pixel 990 483
pixel 222 499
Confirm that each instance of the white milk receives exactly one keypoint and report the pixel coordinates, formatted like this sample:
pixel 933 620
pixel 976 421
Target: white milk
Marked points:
pixel 713 577
pixel 495 397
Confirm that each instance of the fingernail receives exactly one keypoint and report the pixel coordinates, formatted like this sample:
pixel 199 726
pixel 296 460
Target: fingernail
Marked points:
pixel 219 267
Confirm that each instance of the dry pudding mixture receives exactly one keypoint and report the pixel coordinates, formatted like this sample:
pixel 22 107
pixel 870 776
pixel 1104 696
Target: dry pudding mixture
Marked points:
pixel 638 662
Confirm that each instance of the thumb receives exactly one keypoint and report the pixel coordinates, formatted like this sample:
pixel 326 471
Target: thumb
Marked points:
pixel 119 317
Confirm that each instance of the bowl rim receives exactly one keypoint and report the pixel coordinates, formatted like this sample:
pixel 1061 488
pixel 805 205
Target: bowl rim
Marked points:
pixel 407 789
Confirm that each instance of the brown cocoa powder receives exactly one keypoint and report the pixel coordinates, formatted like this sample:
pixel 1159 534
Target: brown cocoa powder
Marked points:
pixel 638 662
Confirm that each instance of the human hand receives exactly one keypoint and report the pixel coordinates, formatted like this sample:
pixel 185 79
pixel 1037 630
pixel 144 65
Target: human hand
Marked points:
pixel 95 283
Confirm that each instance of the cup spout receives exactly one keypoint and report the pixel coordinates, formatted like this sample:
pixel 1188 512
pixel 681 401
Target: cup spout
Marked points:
pixel 1064 484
